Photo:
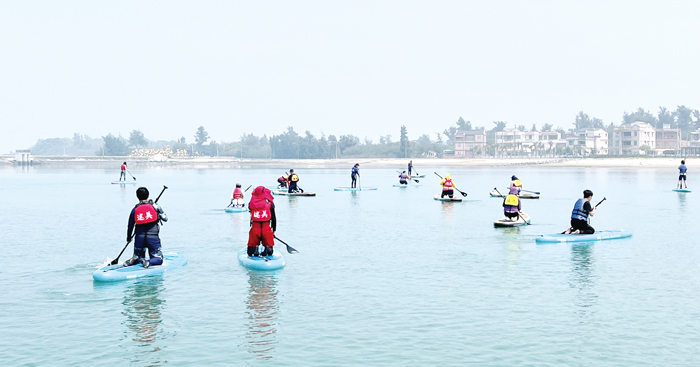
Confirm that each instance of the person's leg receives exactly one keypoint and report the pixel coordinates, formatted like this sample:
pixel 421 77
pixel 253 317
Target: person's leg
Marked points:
pixel 268 239
pixel 450 193
pixel 588 229
pixel 154 253
pixel 139 251
pixel 253 239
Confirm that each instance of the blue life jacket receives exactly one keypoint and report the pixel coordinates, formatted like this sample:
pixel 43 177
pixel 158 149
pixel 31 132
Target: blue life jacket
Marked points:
pixel 683 168
pixel 578 212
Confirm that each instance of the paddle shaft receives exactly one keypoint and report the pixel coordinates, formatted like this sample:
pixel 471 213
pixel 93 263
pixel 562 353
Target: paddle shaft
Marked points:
pixel 600 202
pixel 290 249
pixel 132 176
pixel 115 261
pixel 534 192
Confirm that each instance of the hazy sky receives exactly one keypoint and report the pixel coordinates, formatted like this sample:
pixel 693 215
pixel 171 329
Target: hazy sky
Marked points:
pixel 338 67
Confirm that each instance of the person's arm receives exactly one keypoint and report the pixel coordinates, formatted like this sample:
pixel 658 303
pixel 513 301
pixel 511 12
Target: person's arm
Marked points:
pixel 130 227
pixel 273 219
pixel 161 214
pixel 587 207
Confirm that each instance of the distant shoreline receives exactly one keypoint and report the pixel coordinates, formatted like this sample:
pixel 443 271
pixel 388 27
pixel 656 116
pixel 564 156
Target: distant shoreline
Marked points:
pixel 231 162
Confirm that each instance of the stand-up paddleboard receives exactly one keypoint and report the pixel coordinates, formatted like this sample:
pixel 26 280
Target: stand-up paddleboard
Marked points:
pixel 521 220
pixel 236 209
pixel 400 185
pixel 114 273
pixel 523 195
pixel 123 182
pixel 366 188
pixel 682 190
pixel 285 193
pixel 598 236
pixel 446 198
pixel 274 262
pixel 419 176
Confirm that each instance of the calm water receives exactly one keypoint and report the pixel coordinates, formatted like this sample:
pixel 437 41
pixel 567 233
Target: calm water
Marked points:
pixel 386 277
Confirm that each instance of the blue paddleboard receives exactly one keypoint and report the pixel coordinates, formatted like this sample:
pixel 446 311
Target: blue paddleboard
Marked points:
pixel 123 182
pixel 274 262
pixel 366 188
pixel 598 236
pixel 236 209
pixel 682 190
pixel 400 185
pixel 114 273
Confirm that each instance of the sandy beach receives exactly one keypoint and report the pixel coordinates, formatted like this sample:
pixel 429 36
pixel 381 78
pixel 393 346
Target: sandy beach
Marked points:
pixel 231 162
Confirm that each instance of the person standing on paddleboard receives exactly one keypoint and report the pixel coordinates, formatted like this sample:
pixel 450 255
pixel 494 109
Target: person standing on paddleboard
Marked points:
pixel 123 174
pixel 410 167
pixel 237 197
pixel 145 229
pixel 681 178
pixel 263 222
pixel 354 174
pixel 293 179
pixel 579 216
pixel 447 186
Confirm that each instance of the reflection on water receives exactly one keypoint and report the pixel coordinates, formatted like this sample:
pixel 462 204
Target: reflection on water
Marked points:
pixel 681 199
pixel 447 211
pixel 142 309
pixel 353 198
pixel 582 277
pixel 292 201
pixel 122 188
pixel 262 310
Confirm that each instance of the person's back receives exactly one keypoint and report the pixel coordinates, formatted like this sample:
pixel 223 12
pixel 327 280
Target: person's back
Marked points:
pixel 144 224
pixel 447 186
pixel 682 175
pixel 580 214
pixel 293 179
pixel 354 174
pixel 511 206
pixel 263 222
pixel 237 196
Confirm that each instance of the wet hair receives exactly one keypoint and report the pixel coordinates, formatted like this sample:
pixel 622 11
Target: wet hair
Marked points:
pixel 587 193
pixel 238 185
pixel 142 193
pixel 683 161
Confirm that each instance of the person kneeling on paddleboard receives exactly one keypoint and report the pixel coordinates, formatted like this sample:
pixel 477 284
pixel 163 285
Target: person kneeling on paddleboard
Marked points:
pixel 511 204
pixel 282 182
pixel 145 219
pixel 293 179
pixel 237 197
pixel 403 178
pixel 447 186
pixel 354 174
pixel 263 222
pixel 579 216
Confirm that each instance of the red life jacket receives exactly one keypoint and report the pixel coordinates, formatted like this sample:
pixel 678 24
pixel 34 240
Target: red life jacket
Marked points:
pixel 447 185
pixel 237 193
pixel 145 213
pixel 123 167
pixel 260 211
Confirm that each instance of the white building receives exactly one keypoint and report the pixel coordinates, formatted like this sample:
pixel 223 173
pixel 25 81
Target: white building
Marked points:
pixel 469 142
pixel 632 138
pixel 592 141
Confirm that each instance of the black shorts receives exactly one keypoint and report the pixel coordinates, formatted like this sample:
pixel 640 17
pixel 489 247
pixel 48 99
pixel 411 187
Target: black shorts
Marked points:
pixel 403 182
pixel 511 214
pixel 681 177
pixel 582 225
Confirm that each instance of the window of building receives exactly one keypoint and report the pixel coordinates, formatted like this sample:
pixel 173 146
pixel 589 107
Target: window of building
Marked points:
pixel 635 133
pixel 627 133
pixel 626 143
pixel 470 138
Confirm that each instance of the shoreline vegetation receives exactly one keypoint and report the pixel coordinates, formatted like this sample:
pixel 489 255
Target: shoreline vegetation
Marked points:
pixel 425 163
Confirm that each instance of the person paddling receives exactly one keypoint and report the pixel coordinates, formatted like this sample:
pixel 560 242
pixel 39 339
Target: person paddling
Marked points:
pixel 282 182
pixel 403 178
pixel 263 222
pixel 237 197
pixel 354 175
pixel 579 216
pixel 447 186
pixel 144 227
pixel 515 182
pixel 410 167
pixel 123 174
pixel 293 179
pixel 681 178
pixel 511 204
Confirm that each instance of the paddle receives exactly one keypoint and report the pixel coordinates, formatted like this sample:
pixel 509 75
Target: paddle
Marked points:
pixel 458 190
pixel 115 261
pixel 534 192
pixel 409 177
pixel 604 198
pixel 290 249
pixel 132 176
pixel 499 193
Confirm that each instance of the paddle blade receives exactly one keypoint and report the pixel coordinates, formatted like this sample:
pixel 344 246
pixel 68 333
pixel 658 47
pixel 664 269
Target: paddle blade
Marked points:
pixel 291 249
pixel 114 262
pixel 464 194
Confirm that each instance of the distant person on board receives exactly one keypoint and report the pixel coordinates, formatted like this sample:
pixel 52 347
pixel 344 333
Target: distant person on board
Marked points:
pixel 293 179
pixel 123 174
pixel 681 178
pixel 512 205
pixel 579 216
pixel 354 175
pixel 447 186
pixel 410 167
pixel 515 183
pixel 263 222
pixel 237 197
pixel 144 227
pixel 282 182
pixel 403 178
